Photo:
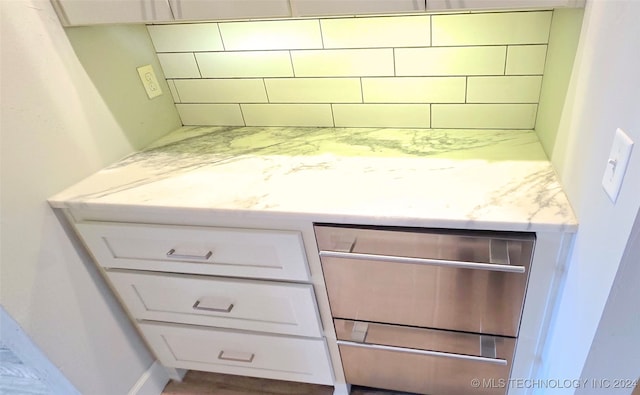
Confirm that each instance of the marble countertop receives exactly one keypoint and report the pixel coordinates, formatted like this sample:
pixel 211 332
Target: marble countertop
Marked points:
pixel 475 179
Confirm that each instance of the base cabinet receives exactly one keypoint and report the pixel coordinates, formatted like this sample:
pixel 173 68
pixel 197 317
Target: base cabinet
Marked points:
pixel 241 353
pixel 226 300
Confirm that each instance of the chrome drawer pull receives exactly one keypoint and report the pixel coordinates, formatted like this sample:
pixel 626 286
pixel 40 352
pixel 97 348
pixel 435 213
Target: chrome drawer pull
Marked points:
pixel 236 356
pixel 499 252
pixel 172 254
pixel 497 361
pixel 488 346
pixel 227 309
pixel 425 261
pixel 359 331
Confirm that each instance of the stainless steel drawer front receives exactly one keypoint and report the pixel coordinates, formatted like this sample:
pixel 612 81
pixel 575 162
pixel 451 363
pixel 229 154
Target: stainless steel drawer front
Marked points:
pixel 425 361
pixel 423 261
pixel 463 281
pixel 424 352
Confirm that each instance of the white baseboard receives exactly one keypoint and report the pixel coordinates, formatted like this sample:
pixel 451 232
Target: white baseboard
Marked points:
pixel 152 381
pixel 13 337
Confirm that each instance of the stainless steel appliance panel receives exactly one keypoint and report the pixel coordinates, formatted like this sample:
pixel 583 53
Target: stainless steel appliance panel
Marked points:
pixel 464 281
pixel 424 361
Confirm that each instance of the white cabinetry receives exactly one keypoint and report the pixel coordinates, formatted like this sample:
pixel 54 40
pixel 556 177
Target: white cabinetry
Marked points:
pixel 256 253
pixel 229 9
pixel 227 300
pixel 444 5
pixel 92 12
pixel 354 7
pixel 88 12
pixel 233 352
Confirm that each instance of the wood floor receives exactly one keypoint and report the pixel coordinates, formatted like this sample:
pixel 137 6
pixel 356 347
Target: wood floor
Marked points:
pixel 203 383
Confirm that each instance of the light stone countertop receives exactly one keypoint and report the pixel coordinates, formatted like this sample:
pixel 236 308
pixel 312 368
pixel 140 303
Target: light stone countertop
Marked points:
pixel 473 179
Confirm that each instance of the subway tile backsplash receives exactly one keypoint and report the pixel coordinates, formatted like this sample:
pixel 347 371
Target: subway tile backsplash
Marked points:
pixel 469 70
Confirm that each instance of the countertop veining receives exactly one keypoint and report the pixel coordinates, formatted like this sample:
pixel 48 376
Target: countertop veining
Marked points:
pixel 483 179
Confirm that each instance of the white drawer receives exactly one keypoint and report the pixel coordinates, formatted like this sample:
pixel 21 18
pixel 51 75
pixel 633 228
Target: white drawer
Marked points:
pixel 241 353
pixel 216 301
pixel 233 252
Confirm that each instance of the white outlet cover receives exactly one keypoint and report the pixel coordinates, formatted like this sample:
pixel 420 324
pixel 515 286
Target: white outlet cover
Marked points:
pixel 149 80
pixel 617 164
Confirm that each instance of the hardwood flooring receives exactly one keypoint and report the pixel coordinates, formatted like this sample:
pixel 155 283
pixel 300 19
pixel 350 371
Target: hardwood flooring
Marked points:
pixel 203 383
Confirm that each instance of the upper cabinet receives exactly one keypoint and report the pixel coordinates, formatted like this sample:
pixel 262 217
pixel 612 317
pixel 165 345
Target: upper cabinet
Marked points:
pixel 229 9
pixel 92 12
pixel 444 5
pixel 354 7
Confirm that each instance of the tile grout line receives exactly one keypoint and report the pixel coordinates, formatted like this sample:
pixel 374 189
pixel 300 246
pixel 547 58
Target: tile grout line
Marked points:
pixel 244 121
pixel 506 58
pixel 224 49
pixel 195 59
pixel 466 89
pixel 293 69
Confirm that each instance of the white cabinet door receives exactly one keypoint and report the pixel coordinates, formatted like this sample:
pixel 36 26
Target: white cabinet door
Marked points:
pixel 443 5
pixel 241 353
pixel 253 253
pixel 90 12
pixel 265 306
pixel 229 9
pixel 354 7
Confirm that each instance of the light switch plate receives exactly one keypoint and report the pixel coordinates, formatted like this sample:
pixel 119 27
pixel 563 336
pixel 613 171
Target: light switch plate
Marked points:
pixel 149 80
pixel 617 164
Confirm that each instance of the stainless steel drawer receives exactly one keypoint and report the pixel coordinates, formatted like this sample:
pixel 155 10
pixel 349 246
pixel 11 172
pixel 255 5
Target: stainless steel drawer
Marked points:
pixel 424 361
pixel 465 281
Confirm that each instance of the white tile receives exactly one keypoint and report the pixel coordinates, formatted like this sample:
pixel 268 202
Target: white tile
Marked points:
pixel 235 90
pixel 343 62
pixel 287 114
pixel 414 90
pixel 491 28
pixel 174 91
pixel 450 61
pixel 382 115
pixel 245 64
pixel 210 114
pixel 526 59
pixel 179 65
pixel 514 89
pixel 314 90
pixel 259 35
pixel 483 116
pixel 404 31
pixel 186 37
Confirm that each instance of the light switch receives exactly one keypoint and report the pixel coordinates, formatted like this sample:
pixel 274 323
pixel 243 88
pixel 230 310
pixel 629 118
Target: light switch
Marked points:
pixel 149 80
pixel 617 164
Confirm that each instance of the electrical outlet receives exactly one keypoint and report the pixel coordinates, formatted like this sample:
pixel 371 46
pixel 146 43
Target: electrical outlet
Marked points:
pixel 617 164
pixel 149 80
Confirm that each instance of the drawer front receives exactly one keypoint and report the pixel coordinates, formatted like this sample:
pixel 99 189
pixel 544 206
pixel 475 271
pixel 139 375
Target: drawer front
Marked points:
pixel 215 301
pixel 497 251
pixel 234 252
pixel 431 287
pixel 423 361
pixel 241 353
